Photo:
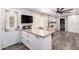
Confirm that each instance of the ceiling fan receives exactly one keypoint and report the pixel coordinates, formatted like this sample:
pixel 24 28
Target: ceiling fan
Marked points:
pixel 62 10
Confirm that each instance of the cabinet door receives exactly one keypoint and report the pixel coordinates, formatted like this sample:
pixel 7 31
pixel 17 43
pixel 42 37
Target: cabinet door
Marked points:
pixel 37 20
pixel 35 42
pixel 40 20
pixel 44 21
pixel 32 41
pixel 26 40
pixel 47 43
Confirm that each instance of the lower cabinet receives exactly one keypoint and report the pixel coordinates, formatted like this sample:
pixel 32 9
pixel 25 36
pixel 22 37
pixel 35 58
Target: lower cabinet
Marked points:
pixel 35 42
pixel 31 41
pixel 25 41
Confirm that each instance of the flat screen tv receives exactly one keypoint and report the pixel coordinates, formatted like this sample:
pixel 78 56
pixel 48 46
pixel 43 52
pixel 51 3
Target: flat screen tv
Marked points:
pixel 26 19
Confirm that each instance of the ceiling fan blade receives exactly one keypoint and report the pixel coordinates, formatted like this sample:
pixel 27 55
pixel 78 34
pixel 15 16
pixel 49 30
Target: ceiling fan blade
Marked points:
pixel 58 9
pixel 68 10
pixel 61 9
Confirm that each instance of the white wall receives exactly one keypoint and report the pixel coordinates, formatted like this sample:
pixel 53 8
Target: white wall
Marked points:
pixel 73 23
pixel 66 23
pixel 58 23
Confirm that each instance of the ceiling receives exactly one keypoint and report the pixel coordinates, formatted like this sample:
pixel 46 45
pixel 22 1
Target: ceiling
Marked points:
pixel 49 12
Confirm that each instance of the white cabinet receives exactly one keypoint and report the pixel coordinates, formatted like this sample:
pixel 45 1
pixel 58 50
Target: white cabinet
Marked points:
pixel 31 41
pixel 36 20
pixel 40 20
pixel 52 22
pixel 35 42
pixel 25 40
pixel 9 38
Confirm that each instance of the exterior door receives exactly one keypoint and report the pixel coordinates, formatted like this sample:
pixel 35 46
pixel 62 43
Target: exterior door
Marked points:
pixel 10 35
pixel 11 18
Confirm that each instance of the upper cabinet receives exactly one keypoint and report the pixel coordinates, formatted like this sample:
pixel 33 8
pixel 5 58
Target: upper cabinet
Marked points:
pixel 52 22
pixel 36 20
pixel 44 21
pixel 40 20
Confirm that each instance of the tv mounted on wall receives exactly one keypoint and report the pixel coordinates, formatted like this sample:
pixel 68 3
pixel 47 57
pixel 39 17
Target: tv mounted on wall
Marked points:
pixel 26 19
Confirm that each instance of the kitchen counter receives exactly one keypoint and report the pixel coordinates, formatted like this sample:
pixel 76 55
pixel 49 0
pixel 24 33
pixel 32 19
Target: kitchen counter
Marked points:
pixel 40 32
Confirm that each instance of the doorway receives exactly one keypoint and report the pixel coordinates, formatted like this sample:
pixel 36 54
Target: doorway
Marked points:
pixel 62 24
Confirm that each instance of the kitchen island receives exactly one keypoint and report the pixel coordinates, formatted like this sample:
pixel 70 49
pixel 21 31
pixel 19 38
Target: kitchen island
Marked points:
pixel 37 39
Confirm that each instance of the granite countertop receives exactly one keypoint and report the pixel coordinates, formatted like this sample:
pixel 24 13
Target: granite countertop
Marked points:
pixel 40 32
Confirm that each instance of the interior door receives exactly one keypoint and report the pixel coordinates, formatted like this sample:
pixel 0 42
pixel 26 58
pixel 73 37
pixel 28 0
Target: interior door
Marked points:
pixel 62 24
